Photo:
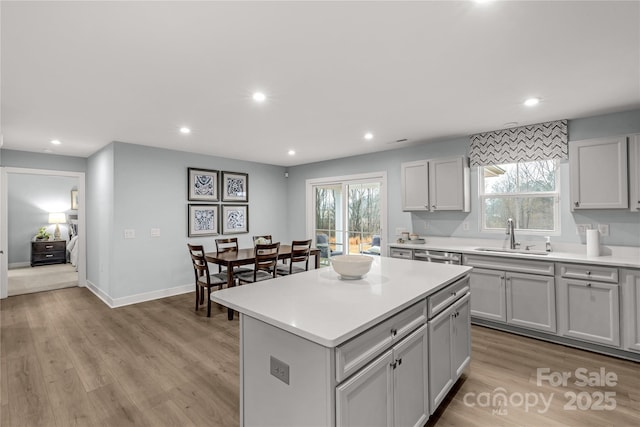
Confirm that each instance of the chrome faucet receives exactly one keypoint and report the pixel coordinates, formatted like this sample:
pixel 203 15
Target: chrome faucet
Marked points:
pixel 512 234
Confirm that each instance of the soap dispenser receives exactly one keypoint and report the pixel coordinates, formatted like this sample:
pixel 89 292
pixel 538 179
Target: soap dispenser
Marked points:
pixel 548 244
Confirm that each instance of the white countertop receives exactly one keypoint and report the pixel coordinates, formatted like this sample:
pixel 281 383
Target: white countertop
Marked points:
pixel 321 307
pixel 611 256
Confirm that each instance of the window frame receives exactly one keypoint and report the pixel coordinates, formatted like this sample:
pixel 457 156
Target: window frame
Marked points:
pixel 555 195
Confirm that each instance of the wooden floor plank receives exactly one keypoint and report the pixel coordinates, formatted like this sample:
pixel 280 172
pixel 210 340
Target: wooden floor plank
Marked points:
pixel 67 359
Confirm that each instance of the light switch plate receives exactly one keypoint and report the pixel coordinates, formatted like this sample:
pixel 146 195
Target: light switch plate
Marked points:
pixel 279 369
pixel 129 233
pixel 155 232
pixel 582 228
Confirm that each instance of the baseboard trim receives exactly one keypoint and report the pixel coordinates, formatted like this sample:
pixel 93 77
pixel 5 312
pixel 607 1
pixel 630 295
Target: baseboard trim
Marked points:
pixel 19 265
pixel 138 298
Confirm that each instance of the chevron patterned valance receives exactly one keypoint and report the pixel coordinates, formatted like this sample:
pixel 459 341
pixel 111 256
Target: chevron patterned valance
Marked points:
pixel 541 141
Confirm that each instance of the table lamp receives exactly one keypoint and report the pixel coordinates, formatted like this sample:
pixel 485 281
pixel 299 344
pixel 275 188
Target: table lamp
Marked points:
pixel 57 218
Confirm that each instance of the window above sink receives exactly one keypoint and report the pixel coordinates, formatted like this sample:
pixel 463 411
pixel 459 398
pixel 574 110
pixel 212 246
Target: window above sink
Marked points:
pixel 528 192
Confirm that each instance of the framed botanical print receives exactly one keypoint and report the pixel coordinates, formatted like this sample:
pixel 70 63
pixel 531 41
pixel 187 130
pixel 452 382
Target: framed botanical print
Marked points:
pixel 235 219
pixel 203 220
pixel 235 187
pixel 203 185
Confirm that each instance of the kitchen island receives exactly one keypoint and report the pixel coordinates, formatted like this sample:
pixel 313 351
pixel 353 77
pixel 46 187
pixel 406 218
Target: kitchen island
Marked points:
pixel 319 350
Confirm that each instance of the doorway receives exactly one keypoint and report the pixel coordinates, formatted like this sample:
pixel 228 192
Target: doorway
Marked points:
pixel 50 204
pixel 347 214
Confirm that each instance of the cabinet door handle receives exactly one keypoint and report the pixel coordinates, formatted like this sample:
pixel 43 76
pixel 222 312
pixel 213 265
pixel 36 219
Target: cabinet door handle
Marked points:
pixel 400 361
pixel 577 204
pixel 394 332
pixel 588 273
pixel 588 285
pixel 433 207
pixel 393 365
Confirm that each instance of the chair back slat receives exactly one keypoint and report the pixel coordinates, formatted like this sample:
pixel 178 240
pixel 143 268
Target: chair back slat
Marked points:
pixel 200 264
pixel 300 251
pixel 267 257
pixel 227 245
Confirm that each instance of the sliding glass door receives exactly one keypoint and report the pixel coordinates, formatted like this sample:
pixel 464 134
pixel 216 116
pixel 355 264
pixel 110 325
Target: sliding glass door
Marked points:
pixel 347 214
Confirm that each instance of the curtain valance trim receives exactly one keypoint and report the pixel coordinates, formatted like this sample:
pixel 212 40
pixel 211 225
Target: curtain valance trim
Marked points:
pixel 541 141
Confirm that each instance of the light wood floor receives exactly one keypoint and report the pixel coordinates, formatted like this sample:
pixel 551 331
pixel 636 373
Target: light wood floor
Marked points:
pixel 67 359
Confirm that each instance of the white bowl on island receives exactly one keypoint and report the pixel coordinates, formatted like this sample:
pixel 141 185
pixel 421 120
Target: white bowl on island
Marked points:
pixel 351 267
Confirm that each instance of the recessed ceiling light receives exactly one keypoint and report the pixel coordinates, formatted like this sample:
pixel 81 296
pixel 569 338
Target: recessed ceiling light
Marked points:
pixel 185 130
pixel 291 152
pixel 368 136
pixel 56 142
pixel 259 97
pixel 531 102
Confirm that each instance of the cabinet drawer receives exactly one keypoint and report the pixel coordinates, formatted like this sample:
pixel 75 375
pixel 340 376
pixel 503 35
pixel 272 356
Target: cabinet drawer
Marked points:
pixel 51 256
pixel 360 350
pixel 511 264
pixel 47 247
pixel 401 253
pixel 589 272
pixel 445 297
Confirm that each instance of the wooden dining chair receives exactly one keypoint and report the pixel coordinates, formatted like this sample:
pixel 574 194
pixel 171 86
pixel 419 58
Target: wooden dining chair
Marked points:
pixel 204 279
pixel 265 264
pixel 300 251
pixel 229 244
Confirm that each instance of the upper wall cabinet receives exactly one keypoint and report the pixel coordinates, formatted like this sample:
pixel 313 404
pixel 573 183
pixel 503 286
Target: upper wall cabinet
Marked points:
pixel 436 185
pixel 634 172
pixel 598 173
pixel 449 184
pixel 415 187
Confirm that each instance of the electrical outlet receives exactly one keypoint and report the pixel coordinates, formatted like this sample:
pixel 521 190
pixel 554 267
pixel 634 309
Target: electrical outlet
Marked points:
pixel 582 228
pixel 279 369
pixel 465 226
pixel 603 229
pixel 129 233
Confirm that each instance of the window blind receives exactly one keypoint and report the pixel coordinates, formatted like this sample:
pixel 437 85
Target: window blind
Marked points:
pixel 542 141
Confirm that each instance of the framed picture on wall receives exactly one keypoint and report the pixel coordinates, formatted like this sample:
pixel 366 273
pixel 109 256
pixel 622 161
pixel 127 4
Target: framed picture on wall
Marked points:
pixel 74 199
pixel 235 187
pixel 203 220
pixel 235 219
pixel 203 185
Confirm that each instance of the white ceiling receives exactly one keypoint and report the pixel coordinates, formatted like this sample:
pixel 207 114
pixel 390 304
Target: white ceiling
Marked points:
pixel 89 73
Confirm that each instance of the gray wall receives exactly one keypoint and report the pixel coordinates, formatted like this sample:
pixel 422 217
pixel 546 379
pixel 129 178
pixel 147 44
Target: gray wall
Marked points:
pixel 99 198
pixel 148 189
pixel 30 199
pixel 624 225
pixel 30 160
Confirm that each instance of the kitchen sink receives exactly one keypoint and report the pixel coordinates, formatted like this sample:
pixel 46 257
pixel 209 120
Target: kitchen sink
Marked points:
pixel 512 251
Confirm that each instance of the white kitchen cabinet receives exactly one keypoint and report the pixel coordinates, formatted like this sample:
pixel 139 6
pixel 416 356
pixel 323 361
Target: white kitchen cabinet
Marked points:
pixel 367 398
pixel 436 185
pixel 631 308
pixel 634 172
pixel 449 184
pixel 390 391
pixel 589 310
pixel 415 185
pixel 488 289
pixel 449 349
pixel 515 291
pixel 531 301
pixel 598 173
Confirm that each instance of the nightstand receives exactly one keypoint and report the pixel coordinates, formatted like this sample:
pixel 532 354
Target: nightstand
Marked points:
pixel 48 252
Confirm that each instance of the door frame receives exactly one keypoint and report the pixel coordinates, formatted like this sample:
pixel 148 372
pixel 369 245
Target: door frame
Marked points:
pixel 348 179
pixel 4 225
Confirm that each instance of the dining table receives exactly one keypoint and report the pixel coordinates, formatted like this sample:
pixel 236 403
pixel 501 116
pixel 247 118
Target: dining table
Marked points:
pixel 247 256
